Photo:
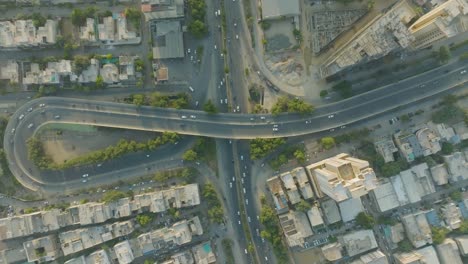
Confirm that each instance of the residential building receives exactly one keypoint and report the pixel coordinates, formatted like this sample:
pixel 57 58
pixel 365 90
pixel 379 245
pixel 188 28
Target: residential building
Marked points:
pixel 162 74
pixel 162 9
pixel 409 146
pixel 276 9
pixel 88 75
pixel 315 216
pixel 300 176
pixel 397 233
pixel 350 208
pixel 385 196
pixel 330 211
pixel 184 257
pixel 124 252
pixel 439 23
pixel 168 40
pixel 447 133
pixel 429 141
pixel 52 74
pixel 87 32
pixel 417 229
pixel 342 177
pixel 167 238
pixel 448 252
pixel 279 196
pixel 126 68
pixel 386 147
pixel 123 33
pixel 425 255
pixel 295 227
pixel 203 254
pixel 23 33
pixel 290 188
pixel 332 252
pixel 452 215
pixel 457 166
pixel 9 70
pixel 13 255
pixel 106 29
pixel 358 242
pixel 80 239
pixel 412 184
pixel 440 174
pixel 462 243
pixel 41 249
pixel 374 257
pixel 109 73
pixel 379 36
pixel 98 257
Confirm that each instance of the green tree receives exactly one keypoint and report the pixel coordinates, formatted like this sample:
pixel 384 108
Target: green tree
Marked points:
pixel 323 93
pixel 113 195
pixel 300 155
pixel 439 234
pixel 390 169
pixel 365 220
pixel 260 147
pixel 139 99
pixel 209 107
pixel 99 82
pixel 190 155
pixel 444 54
pixel 447 148
pixel 144 219
pixel 78 17
pixel 456 196
pixel 302 206
pixel 405 245
pixel 197 28
pixel 80 63
pixel 327 142
pixel 344 88
pixel 464 227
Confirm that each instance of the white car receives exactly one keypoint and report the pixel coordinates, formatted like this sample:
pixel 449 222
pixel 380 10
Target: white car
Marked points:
pixel 85 175
pixel 238 212
pixel 30 125
pixel 221 101
pixel 225 100
pixel 247 201
pixel 233 179
pixel 237 36
pixel 84 181
pixel 248 218
pixel 41 105
pixel 215 47
pixel 230 185
pixel 242 157
pixel 196 103
pixel 192 116
pixel 191 89
pixel 275 129
pixel 243 174
pixel 57 117
pixel 463 72
pixel 262 118
pixel 30 109
pixel 21 117
pixel 183 117
pixel 244 193
pixel 13 130
pixel 188 51
pixel 245 250
pixel 331 116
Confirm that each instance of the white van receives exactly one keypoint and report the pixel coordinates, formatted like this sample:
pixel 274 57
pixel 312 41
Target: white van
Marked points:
pixel 191 89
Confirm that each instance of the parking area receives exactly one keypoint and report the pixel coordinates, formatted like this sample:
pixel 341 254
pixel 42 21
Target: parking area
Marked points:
pixel 279 35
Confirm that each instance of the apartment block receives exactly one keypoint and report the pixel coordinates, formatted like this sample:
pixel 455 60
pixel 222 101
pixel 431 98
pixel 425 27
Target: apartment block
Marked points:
pixel 448 252
pixel 23 34
pixel 295 227
pixel 342 177
pixel 358 242
pixel 41 249
pixel 9 70
pixel 457 166
pixel 452 215
pixel 124 252
pixel 417 229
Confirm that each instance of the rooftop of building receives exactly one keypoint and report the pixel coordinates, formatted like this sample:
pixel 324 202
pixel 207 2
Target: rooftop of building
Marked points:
pixel 358 242
pixel 272 9
pixel 168 41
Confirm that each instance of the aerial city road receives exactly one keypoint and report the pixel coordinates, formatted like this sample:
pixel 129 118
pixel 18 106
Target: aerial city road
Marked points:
pixel 234 131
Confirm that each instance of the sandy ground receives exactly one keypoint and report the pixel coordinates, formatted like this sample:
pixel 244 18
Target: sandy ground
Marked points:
pixel 78 141
pixel 310 256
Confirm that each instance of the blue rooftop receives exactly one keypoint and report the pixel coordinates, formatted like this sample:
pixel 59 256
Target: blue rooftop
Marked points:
pixel 433 218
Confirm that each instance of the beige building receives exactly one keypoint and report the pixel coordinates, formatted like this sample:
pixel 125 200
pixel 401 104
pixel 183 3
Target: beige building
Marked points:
pixel 333 251
pixel 462 243
pixel 315 216
pixel 41 249
pixel 342 177
pixel 397 233
pixel 124 252
pixel 448 252
pixel 9 70
pixel 358 242
pixel 429 141
pixel 386 147
pixel 374 257
pixel 23 33
pixel 425 255
pixel 302 180
pixel 290 187
pixel 439 23
pixel 457 166
pixel 203 254
pixel 417 229
pixel 440 174
pixel 295 227
pixel 452 215
pixel 279 196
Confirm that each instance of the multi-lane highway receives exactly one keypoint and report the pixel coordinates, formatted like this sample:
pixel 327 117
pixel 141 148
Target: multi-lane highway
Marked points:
pixel 237 126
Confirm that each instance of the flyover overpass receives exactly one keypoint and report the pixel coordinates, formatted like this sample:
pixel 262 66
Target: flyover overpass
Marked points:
pixel 222 125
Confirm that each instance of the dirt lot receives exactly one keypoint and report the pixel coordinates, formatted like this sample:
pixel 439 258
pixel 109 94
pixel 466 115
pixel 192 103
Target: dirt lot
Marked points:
pixel 311 256
pixel 78 140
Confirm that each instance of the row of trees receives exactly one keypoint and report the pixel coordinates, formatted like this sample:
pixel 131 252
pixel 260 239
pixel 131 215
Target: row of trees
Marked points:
pixel 156 99
pixel 185 174
pixel 272 233
pixel 292 152
pixel 216 212
pixel 260 147
pixel 197 10
pixel 295 105
pixel 201 150
pixel 37 154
